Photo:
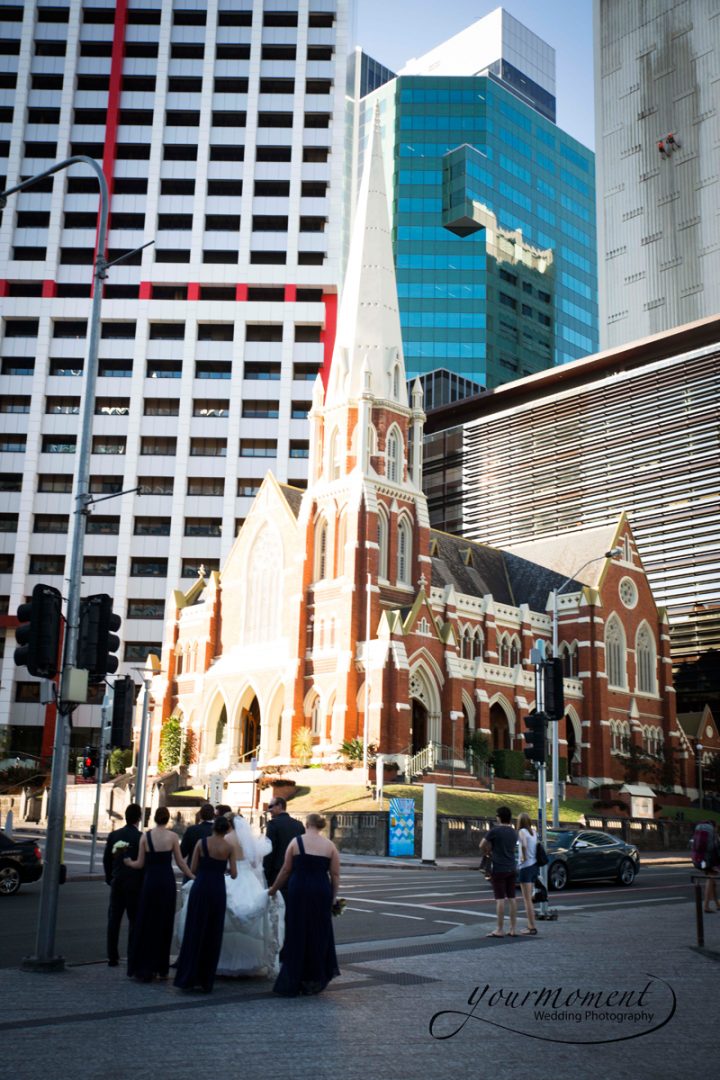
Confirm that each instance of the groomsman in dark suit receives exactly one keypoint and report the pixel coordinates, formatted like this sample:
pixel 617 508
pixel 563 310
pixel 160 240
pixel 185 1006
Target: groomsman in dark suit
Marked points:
pixel 124 883
pixel 280 830
pixel 196 832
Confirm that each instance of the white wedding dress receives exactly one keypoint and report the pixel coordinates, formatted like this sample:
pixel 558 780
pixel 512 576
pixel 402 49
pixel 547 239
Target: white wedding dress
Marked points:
pixel 254 923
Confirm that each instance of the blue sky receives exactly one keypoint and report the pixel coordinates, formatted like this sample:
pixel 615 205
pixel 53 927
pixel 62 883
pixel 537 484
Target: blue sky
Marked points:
pixel 392 31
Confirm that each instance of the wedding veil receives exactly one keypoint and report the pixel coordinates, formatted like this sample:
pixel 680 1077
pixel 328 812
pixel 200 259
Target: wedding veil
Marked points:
pixel 255 848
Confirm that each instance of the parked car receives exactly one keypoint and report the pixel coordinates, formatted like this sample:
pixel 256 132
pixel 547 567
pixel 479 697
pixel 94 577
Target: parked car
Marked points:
pixel 585 855
pixel 20 862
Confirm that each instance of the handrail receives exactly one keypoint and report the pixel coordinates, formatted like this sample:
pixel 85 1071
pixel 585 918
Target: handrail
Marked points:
pixel 250 753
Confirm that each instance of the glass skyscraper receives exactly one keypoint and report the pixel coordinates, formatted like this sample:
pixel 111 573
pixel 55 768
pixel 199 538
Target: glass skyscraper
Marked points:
pixel 493 210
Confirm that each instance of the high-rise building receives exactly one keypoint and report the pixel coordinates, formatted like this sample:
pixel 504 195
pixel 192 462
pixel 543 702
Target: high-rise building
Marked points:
pixel 632 429
pixel 658 162
pixel 493 209
pixel 220 126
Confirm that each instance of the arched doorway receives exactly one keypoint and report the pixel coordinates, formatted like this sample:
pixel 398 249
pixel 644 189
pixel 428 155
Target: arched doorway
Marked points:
pixel 249 729
pixel 419 739
pixel 499 728
pixel 221 726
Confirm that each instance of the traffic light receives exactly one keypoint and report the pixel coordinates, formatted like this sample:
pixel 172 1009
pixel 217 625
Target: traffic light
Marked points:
pixel 553 685
pixel 97 640
pixel 90 757
pixel 535 737
pixel 122 717
pixel 38 635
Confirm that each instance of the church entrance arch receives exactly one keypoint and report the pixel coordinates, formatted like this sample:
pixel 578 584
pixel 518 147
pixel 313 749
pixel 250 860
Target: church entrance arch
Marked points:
pixel 425 709
pixel 499 728
pixel 249 730
pixel 419 735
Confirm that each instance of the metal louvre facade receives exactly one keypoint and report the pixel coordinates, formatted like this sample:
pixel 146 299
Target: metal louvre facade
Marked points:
pixel 645 440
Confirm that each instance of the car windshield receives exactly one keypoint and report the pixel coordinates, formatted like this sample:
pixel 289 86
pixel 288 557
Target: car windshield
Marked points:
pixel 557 839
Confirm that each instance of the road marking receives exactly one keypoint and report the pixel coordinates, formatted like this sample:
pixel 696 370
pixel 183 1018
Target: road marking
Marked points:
pixel 366 911
pixel 446 922
pixel 394 915
pixel 625 903
pixel 429 907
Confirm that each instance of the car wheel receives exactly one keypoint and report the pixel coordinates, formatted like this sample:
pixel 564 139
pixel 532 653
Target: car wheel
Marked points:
pixel 626 872
pixel 558 876
pixel 9 880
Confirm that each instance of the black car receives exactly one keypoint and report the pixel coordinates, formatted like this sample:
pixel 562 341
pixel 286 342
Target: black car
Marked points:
pixel 20 862
pixel 585 855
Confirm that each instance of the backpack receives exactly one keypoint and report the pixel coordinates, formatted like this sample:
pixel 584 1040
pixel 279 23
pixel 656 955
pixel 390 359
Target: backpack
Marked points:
pixel 704 852
pixel 541 857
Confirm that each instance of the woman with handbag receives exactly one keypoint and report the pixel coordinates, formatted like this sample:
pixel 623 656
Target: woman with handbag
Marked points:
pixel 528 872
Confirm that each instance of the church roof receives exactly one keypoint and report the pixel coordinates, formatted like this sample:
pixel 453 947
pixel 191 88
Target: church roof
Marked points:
pixel 293 497
pixel 565 552
pixel 478 569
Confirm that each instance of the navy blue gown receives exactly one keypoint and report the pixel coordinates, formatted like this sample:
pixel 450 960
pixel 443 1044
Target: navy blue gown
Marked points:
pixel 149 953
pixel 204 923
pixel 308 957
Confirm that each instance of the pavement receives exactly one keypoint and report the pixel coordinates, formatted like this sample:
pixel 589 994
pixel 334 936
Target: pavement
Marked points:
pixel 619 988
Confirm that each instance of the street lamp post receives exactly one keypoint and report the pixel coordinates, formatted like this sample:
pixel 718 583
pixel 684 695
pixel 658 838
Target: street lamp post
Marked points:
pixel 698 754
pixel 556 726
pixel 45 958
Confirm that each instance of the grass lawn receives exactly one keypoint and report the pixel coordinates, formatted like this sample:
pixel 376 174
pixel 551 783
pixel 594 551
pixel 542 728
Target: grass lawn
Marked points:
pixel 335 799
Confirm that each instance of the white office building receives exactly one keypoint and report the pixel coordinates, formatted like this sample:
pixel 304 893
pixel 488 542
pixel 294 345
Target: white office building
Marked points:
pixel 658 162
pixel 220 125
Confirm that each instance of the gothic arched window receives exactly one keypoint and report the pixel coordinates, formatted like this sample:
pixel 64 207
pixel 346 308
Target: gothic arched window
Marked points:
pixel 321 549
pixel 341 538
pixel 514 652
pixel 393 456
pixel 404 551
pixel 263 611
pixel 645 660
pixel 615 657
pixel 334 462
pixel 478 645
pixel 382 544
pixel 396 382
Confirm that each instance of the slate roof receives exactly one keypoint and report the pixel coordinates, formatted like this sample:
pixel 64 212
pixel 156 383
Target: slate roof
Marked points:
pixel 293 496
pixel 509 578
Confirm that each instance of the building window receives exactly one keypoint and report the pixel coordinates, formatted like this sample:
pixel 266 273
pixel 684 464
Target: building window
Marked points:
pixel 99 566
pixel 145 609
pixel 203 526
pixel 615 653
pixel 206 485
pixel 148 568
pixel 645 661
pixel 192 568
pixel 156 485
pixel 404 551
pixel 208 448
pixel 43 564
pixel 393 454
pixel 50 523
pixel 334 456
pixel 263 448
pixel 58 444
pixel 382 545
pixel 152 526
pixel 161 445
pixel 57 482
pixel 321 549
pixel 108 444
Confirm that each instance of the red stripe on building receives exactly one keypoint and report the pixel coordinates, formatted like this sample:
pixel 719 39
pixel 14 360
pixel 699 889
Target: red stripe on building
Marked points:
pixel 49 288
pixel 241 293
pixel 4 287
pixel 113 105
pixel 327 336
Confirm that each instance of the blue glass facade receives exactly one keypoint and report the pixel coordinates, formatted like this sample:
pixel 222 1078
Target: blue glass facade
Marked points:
pixel 460 308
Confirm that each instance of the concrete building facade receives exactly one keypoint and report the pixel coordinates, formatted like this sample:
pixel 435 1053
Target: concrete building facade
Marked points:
pixel 658 160
pixel 221 130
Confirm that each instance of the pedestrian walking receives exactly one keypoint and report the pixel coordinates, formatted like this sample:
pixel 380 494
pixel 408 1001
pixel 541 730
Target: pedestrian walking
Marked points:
pixel 501 844
pixel 193 833
pixel 152 936
pixel 312 872
pixel 281 829
pixel 528 870
pixel 125 883
pixel 205 918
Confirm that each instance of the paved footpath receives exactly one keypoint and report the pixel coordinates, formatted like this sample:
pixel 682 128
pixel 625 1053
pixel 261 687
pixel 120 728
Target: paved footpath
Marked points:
pixel 617 991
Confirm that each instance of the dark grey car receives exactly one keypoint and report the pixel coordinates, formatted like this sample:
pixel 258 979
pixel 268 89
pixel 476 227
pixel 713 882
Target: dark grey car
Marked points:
pixel 587 855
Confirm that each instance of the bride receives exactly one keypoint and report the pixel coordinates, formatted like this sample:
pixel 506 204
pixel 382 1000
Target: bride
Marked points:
pixel 254 924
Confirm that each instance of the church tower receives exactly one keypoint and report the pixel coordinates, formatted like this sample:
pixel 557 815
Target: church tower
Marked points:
pixel 365 515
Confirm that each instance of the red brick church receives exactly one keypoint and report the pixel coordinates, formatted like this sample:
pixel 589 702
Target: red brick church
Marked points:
pixel 341 599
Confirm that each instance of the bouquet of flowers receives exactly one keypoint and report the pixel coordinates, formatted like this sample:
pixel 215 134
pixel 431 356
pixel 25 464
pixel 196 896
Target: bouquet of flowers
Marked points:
pixel 339 906
pixel 120 847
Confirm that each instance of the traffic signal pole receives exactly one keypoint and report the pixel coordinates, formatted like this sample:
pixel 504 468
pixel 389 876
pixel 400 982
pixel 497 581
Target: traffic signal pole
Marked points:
pixel 537 657
pixel 106 718
pixel 45 958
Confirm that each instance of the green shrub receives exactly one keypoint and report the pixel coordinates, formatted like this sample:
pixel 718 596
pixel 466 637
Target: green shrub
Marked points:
pixel 302 746
pixel 119 761
pixel 509 764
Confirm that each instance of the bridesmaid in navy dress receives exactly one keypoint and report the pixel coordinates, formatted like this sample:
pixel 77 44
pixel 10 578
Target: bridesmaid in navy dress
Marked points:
pixel 312 863
pixel 205 919
pixel 152 938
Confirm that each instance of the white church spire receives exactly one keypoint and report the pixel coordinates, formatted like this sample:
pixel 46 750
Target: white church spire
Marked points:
pixel 368 331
